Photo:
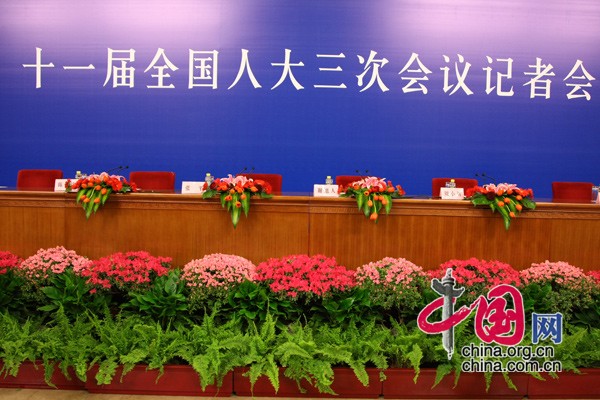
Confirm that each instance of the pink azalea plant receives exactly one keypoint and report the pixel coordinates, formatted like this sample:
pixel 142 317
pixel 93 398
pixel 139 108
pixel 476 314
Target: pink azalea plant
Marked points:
pixel 478 276
pixel 393 282
pixel 214 275
pixel 560 273
pixel 8 261
pixel 39 268
pixel 570 287
pixel 304 275
pixel 134 270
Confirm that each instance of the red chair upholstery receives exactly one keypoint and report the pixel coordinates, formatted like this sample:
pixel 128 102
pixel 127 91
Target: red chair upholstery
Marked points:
pixel 274 180
pixel 438 183
pixel 154 181
pixel 572 192
pixel 345 180
pixel 38 179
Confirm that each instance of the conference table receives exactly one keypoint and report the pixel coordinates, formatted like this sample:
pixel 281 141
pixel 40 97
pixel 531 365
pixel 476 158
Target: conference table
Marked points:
pixel 425 231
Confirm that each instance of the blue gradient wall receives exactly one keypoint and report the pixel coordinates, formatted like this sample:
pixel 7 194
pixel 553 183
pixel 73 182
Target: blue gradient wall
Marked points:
pixel 76 122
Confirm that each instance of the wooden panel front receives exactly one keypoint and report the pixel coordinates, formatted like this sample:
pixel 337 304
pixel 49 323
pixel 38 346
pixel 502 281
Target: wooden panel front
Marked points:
pixel 184 227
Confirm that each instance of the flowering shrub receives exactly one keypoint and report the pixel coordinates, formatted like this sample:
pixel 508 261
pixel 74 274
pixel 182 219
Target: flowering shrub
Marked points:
pixel 595 275
pixel 39 268
pixel 478 276
pixel 8 261
pixel 393 282
pixel 304 275
pixel 125 271
pixel 215 275
pixel 506 198
pixel 566 287
pixel 372 194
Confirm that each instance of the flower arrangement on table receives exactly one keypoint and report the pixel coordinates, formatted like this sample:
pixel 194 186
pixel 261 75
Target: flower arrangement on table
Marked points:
pixel 235 193
pixel 372 194
pixel 94 190
pixel 508 199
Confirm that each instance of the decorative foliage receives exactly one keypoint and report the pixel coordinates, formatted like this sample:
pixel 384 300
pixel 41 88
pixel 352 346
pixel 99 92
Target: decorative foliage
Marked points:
pixel 372 194
pixel 235 193
pixel 393 282
pixel 508 199
pixel 94 190
pixel 478 276
pixel 214 276
pixel 131 271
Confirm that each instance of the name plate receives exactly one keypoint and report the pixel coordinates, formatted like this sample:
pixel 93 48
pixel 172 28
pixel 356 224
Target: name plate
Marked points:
pixel 452 193
pixel 60 185
pixel 192 187
pixel 326 191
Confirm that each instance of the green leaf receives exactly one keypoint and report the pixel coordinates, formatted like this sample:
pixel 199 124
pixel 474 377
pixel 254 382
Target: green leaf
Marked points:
pixel 388 206
pixel 246 204
pixel 235 216
pixel 360 200
pixel 528 203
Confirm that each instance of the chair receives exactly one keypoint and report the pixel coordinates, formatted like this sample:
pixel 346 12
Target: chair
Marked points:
pixel 344 180
pixel 38 179
pixel 438 183
pixel 274 180
pixel 154 181
pixel 572 192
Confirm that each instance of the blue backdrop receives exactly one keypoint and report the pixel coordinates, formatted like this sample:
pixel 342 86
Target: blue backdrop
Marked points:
pixel 432 88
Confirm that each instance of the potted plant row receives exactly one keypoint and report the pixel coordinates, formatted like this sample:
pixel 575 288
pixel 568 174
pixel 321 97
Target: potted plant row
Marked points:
pixel 292 326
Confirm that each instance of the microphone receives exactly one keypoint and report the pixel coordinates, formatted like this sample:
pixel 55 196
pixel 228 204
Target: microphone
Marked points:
pixel 485 176
pixel 117 169
pixel 362 174
pixel 245 170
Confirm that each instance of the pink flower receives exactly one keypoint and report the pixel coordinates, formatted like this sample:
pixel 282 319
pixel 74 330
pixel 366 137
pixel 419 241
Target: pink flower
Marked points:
pixel 297 274
pixel 217 273
pixel 40 267
pixel 560 273
pixel 473 271
pixel 8 261
pixel 126 271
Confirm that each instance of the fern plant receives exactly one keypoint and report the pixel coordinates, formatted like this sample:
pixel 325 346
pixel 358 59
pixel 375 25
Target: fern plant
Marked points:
pixel 364 344
pixel 116 341
pixel 259 353
pixel 212 349
pixel 305 359
pixel 19 342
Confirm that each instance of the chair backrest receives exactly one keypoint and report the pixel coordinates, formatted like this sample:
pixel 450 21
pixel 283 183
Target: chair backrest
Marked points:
pixel 345 180
pixel 438 183
pixel 572 192
pixel 275 180
pixel 38 179
pixel 154 181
